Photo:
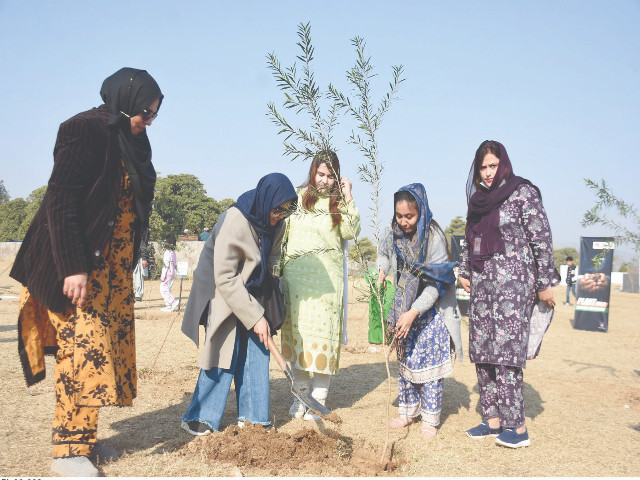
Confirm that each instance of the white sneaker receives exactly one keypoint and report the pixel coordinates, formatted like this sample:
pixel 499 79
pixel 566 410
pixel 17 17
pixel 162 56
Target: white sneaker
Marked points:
pixel 174 305
pixel 166 309
pixel 297 409
pixel 74 467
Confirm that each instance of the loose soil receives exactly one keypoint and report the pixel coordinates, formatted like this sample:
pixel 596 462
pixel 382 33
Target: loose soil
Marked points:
pixel 273 453
pixel 582 400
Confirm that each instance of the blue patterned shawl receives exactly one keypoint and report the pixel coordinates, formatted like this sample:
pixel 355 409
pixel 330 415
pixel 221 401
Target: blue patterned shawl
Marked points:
pixel 441 273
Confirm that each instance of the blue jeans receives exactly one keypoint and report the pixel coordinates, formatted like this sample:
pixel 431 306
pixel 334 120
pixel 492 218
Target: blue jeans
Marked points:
pixel 250 373
pixel 570 288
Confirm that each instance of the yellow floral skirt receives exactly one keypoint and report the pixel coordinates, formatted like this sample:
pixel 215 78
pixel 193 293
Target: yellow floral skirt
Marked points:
pixel 95 358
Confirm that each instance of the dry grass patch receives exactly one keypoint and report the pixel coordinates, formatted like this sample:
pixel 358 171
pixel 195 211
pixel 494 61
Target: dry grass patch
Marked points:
pixel 582 399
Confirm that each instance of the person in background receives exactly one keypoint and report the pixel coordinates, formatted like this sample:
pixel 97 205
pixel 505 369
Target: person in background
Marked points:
pixel 76 264
pixel 141 271
pixel 168 274
pixel 414 251
pixel 571 280
pixel 507 266
pixel 313 279
pixel 242 250
pixel 205 234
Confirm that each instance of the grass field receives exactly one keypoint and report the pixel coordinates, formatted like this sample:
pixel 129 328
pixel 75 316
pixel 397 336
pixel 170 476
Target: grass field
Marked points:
pixel 582 397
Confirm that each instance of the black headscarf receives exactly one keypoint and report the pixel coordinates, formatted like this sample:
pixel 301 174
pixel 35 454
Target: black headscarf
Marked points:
pixel 126 94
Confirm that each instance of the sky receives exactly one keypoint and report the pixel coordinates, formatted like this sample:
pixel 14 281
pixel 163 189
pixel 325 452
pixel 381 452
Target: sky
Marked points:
pixel 556 82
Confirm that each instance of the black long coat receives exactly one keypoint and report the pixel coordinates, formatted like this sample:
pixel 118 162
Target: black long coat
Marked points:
pixel 75 221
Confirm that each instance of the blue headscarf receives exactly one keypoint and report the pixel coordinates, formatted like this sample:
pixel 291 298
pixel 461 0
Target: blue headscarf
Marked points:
pixel 441 273
pixel 273 190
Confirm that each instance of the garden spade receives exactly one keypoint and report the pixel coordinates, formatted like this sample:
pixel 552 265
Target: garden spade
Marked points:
pixel 308 401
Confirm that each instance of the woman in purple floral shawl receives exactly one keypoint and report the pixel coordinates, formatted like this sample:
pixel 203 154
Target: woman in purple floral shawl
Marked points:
pixel 507 265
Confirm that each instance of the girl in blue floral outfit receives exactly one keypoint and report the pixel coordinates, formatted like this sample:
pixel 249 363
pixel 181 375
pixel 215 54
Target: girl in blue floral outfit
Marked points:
pixel 414 247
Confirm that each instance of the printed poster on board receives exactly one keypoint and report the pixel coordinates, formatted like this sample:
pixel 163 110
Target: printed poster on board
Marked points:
pixel 594 284
pixel 182 269
pixel 457 243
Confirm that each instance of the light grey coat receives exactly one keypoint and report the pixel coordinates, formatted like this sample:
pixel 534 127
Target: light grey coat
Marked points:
pixel 228 258
pixel 436 253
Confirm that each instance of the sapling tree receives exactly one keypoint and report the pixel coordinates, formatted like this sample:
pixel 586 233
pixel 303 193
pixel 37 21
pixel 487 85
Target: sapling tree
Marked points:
pixel 368 119
pixel 304 97
pixel 627 228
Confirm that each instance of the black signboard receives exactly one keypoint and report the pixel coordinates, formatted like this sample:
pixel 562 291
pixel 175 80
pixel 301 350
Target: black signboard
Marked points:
pixel 457 243
pixel 594 284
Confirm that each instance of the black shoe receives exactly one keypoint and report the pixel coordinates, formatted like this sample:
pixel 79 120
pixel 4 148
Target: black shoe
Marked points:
pixel 103 454
pixel 194 427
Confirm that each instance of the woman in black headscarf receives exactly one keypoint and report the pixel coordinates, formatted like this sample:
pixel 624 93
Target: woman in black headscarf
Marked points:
pixel 76 263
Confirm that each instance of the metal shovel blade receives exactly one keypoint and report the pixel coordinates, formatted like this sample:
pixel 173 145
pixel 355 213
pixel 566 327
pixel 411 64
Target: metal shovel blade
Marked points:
pixel 308 401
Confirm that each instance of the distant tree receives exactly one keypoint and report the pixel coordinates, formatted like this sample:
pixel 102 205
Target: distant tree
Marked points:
pixel 181 202
pixel 224 206
pixel 624 267
pixel 34 200
pixel 456 227
pixel 367 250
pixel 16 215
pixel 12 215
pixel 626 228
pixel 4 195
pixel 560 255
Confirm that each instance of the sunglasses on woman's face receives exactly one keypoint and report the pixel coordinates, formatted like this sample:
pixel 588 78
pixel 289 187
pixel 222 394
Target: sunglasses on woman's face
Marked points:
pixel 146 114
pixel 284 211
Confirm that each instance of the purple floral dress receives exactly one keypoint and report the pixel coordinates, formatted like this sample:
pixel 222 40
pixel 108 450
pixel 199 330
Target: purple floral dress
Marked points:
pixel 503 295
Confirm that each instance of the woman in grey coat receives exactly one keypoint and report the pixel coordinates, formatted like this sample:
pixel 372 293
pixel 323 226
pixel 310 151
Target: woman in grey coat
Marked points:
pixel 243 247
pixel 415 245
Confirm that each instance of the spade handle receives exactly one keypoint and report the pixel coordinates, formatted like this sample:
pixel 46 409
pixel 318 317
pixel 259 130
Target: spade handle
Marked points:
pixel 277 355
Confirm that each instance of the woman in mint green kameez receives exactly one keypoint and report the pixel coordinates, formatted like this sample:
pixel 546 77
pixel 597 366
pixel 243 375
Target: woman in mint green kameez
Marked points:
pixel 313 277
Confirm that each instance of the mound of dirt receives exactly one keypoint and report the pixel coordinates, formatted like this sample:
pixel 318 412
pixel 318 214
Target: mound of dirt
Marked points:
pixel 253 450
